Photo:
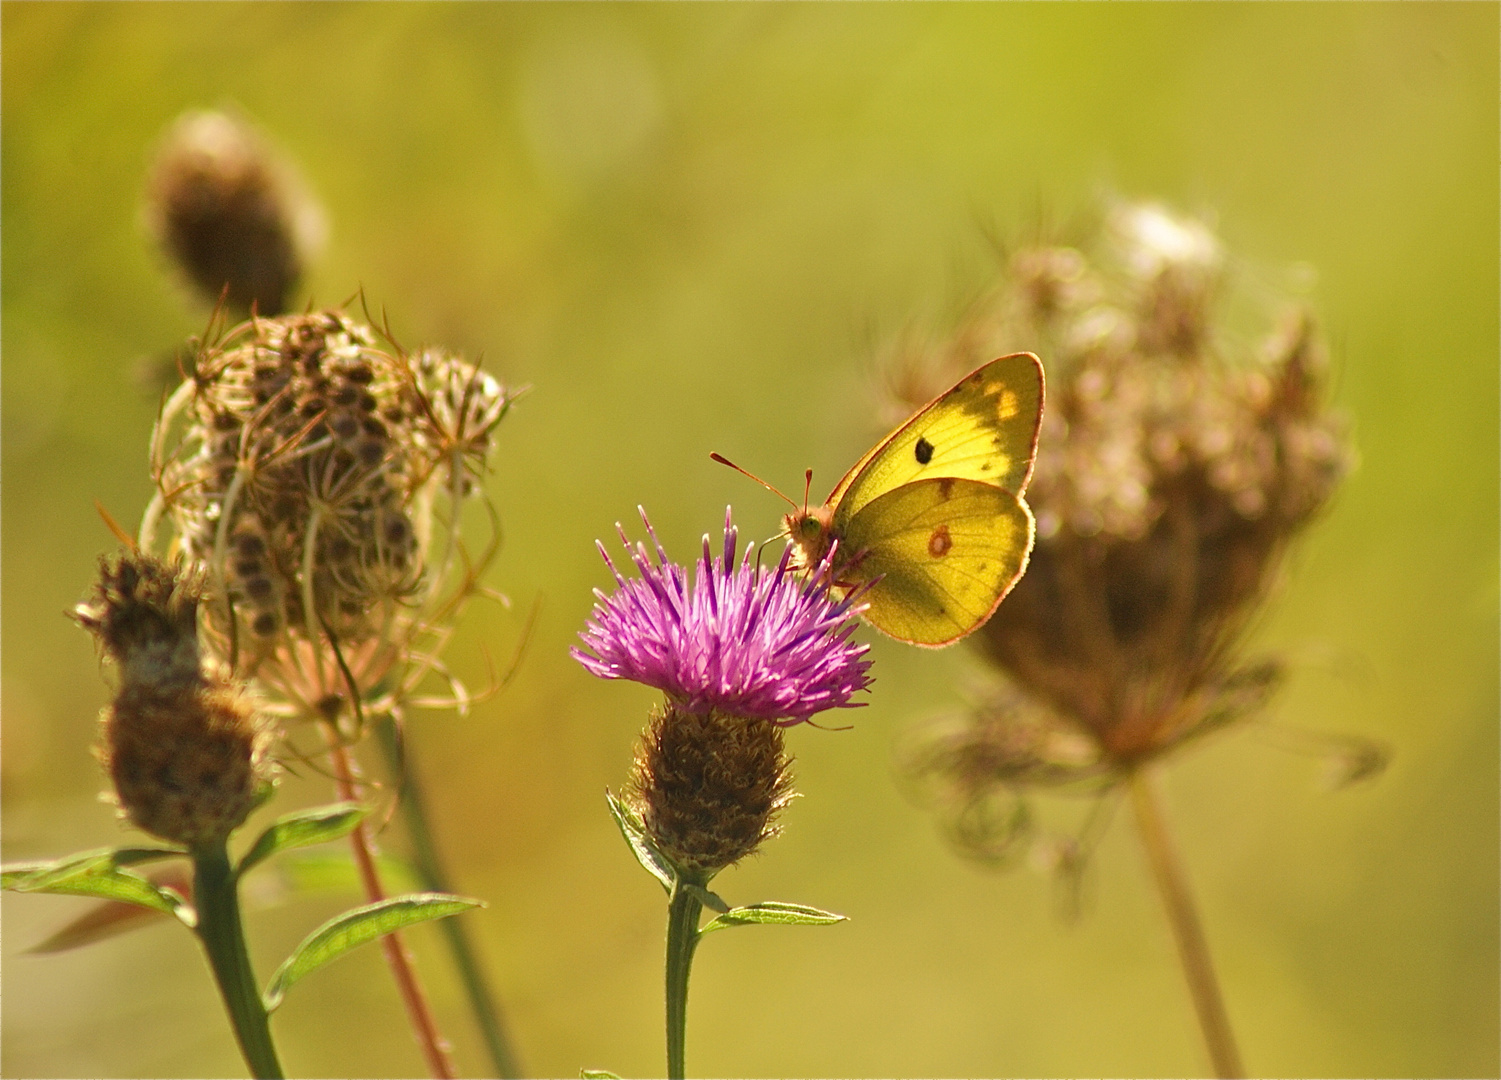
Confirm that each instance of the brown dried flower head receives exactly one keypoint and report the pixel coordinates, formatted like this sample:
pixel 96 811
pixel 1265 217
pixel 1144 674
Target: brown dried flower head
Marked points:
pixel 235 218
pixel 301 464
pixel 182 744
pixel 1173 468
pixel 708 787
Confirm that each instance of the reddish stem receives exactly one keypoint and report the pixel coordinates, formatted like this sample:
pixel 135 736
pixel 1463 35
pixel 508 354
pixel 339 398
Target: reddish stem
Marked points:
pixel 419 1013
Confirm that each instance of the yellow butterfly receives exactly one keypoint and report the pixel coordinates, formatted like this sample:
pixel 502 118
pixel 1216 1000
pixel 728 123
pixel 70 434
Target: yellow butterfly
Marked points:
pixel 933 515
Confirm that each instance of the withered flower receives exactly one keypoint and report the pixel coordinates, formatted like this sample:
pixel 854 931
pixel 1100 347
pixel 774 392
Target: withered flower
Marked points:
pixel 308 469
pixel 316 474
pixel 1175 464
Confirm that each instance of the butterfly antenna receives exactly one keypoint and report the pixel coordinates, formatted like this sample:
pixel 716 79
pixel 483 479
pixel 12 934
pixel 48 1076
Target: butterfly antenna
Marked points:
pixel 726 461
pixel 807 487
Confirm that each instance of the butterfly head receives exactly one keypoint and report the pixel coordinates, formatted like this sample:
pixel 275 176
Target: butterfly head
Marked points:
pixel 812 530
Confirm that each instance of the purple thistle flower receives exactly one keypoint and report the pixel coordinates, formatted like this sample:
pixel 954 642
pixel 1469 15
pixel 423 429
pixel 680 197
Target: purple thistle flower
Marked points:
pixel 743 641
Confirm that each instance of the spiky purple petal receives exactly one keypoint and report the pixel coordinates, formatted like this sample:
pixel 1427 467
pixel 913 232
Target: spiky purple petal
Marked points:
pixel 741 640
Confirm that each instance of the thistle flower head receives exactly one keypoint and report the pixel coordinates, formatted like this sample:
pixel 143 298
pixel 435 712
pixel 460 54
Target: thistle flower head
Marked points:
pixel 740 641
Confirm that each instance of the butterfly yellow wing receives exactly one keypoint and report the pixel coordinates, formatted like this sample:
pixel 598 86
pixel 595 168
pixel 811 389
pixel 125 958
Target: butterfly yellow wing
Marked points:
pixel 946 551
pixel 983 428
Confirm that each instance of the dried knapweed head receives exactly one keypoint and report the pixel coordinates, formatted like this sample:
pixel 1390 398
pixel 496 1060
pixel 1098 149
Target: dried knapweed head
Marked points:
pixel 144 612
pixel 233 216
pixel 308 468
pixel 708 787
pixel 1173 468
pixel 183 746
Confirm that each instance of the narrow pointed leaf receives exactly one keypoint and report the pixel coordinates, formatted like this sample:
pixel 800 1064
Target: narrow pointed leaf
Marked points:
pixel 645 851
pixel 319 873
pixel 359 927
pixel 12 874
pixel 82 862
pixel 711 900
pixel 112 918
pixel 773 912
pixel 137 856
pixel 104 883
pixel 304 827
pixel 598 1074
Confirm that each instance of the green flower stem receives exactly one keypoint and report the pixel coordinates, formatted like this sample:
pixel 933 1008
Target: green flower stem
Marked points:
pixel 216 897
pixel 1193 949
pixel 434 878
pixel 682 938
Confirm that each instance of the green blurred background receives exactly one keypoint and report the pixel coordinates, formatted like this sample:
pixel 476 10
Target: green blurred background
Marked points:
pixel 690 227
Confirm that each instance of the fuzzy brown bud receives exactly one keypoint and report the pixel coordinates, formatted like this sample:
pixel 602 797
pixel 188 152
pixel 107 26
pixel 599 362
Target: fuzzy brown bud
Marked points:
pixel 187 763
pixel 232 216
pixel 708 787
pixel 183 747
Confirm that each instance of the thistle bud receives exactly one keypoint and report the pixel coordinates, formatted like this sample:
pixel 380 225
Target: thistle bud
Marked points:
pixel 232 216
pixel 183 747
pixel 708 787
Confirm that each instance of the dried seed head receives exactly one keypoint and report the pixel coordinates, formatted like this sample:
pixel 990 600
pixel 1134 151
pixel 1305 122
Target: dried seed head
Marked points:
pixel 184 747
pixel 1173 468
pixel 708 787
pixel 1166 489
pixel 232 216
pixel 303 470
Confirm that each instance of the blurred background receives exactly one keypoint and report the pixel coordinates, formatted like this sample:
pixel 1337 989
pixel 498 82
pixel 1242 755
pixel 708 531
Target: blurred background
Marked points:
pixel 691 228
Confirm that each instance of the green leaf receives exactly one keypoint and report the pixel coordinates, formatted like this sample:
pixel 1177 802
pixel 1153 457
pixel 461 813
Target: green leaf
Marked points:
pixel 598 1074
pixel 97 874
pixel 11 874
pixel 359 927
pixel 775 912
pixel 68 865
pixel 302 828
pixel 635 835
pixel 314 873
pixel 135 856
pixel 711 900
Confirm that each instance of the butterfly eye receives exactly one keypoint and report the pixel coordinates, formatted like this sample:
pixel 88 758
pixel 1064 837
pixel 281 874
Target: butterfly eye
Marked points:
pixel 924 451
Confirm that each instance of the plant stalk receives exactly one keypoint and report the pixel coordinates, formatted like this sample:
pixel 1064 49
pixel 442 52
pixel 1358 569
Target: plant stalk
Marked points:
pixel 1188 931
pixel 434 877
pixel 419 1013
pixel 217 899
pixel 682 939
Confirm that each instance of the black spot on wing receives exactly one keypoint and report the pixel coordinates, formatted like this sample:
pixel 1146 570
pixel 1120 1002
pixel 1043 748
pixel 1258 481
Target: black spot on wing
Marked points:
pixel 923 450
